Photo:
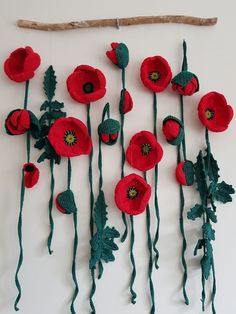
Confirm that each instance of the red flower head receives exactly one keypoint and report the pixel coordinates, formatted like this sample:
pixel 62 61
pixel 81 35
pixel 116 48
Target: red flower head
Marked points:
pixel 155 73
pixel 69 137
pixel 119 55
pixel 185 83
pixel 144 152
pixel 214 113
pixel 108 131
pixel 86 84
pixel 126 101
pixel 21 64
pixel 17 122
pixel 173 130
pixel 31 175
pixel 132 194
pixel 65 202
pixel 185 173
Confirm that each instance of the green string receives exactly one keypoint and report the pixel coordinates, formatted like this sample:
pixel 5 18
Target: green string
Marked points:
pixel 182 120
pixel 150 264
pixel 157 210
pixel 133 274
pixel 185 63
pixel 100 166
pixel 213 289
pixel 69 174
pixel 184 243
pixel 26 94
pixel 50 206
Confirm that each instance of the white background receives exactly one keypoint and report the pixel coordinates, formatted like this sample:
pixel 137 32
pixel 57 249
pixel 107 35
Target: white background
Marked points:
pixel 46 280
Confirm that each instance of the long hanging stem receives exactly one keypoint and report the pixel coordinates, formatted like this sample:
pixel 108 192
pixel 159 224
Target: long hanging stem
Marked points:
pixel 133 274
pixel 182 120
pixel 50 206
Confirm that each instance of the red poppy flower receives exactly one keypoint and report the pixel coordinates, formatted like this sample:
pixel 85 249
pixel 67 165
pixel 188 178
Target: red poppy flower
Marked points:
pixel 17 122
pixel 185 83
pixel 172 128
pixel 155 73
pixel 21 64
pixel 119 55
pixel 185 173
pixel 214 112
pixel 69 137
pixel 86 84
pixel 108 131
pixel 144 152
pixel 31 175
pixel 132 194
pixel 126 101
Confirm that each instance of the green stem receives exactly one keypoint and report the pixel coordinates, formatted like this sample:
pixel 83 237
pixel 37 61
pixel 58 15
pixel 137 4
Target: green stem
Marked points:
pixel 185 63
pixel 133 274
pixel 182 120
pixel 50 206
pixel 69 174
pixel 26 94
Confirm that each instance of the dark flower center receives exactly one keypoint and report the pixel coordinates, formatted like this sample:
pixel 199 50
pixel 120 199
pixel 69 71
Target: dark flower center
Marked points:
pixel 88 88
pixel 29 168
pixel 132 192
pixel 209 114
pixel 154 76
pixel 146 149
pixel 70 138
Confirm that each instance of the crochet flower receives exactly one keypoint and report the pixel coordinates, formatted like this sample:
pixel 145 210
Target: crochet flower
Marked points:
pixel 144 152
pixel 185 173
pixel 65 202
pixel 214 112
pixel 126 101
pixel 185 83
pixel 31 175
pixel 69 137
pixel 119 55
pixel 173 130
pixel 108 131
pixel 155 73
pixel 17 122
pixel 132 194
pixel 21 64
pixel 86 84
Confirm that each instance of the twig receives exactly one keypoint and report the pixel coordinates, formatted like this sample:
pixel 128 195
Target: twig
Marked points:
pixel 179 19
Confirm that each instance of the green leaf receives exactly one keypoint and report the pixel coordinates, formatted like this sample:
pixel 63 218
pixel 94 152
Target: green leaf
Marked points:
pixel 34 125
pixel 66 200
pixel 199 246
pixel 122 54
pixel 56 105
pixel 40 143
pixel 49 83
pixel 211 214
pixel 56 114
pixel 45 105
pixel 222 192
pixel 100 211
pixel 111 233
pixel 212 168
pixel 200 175
pixel 195 212
pixel 208 231
pixel 206 263
pixel 42 157
pixel 183 78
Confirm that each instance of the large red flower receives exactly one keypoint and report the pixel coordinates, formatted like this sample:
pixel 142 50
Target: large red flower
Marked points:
pixel 144 152
pixel 132 194
pixel 21 64
pixel 69 137
pixel 17 122
pixel 86 84
pixel 214 112
pixel 155 73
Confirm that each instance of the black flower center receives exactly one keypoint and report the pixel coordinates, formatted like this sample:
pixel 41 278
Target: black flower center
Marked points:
pixel 70 138
pixel 29 168
pixel 146 149
pixel 88 88
pixel 132 192
pixel 209 114
pixel 154 76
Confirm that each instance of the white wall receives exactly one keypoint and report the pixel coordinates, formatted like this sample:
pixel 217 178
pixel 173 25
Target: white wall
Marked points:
pixel 46 280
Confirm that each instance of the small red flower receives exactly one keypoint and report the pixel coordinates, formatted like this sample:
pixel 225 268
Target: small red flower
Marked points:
pixel 191 87
pixel 126 102
pixel 185 173
pixel 214 112
pixel 119 55
pixel 172 128
pixel 17 122
pixel 65 202
pixel 144 152
pixel 21 64
pixel 86 84
pixel 108 131
pixel 155 73
pixel 132 194
pixel 31 175
pixel 69 137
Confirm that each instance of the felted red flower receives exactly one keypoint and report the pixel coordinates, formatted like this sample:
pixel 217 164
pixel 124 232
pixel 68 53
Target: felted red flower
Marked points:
pixel 214 112
pixel 126 101
pixel 69 137
pixel 108 131
pixel 86 84
pixel 132 194
pixel 21 64
pixel 172 128
pixel 17 122
pixel 31 175
pixel 144 152
pixel 65 202
pixel 185 86
pixel 155 73
pixel 119 55
pixel 185 173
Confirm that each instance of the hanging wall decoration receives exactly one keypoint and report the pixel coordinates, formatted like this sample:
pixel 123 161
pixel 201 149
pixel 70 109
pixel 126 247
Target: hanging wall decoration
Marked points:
pixel 53 111
pixel 69 138
pixel 20 67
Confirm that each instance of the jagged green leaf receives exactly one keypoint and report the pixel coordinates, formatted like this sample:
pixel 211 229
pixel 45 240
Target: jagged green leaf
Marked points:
pixel 100 211
pixel 208 231
pixel 211 214
pixel 45 105
pixel 195 212
pixel 34 125
pixel 211 167
pixel 200 176
pixel 40 143
pixel 49 83
pixel 56 105
pixel 199 246
pixel 206 263
pixel 222 192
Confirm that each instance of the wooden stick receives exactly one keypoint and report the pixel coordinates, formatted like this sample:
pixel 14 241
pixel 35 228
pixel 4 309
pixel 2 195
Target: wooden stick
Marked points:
pixel 179 19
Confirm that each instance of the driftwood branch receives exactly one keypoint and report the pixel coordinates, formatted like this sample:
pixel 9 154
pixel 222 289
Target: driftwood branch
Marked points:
pixel 179 19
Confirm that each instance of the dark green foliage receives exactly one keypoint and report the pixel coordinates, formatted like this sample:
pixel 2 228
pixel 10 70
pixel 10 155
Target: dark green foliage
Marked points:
pixel 211 167
pixel 195 212
pixel 49 84
pixel 221 192
pixel 34 125
pixel 200 176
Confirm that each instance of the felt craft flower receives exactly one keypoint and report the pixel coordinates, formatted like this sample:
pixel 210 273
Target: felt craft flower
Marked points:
pixel 65 202
pixel 86 84
pixel 155 73
pixel 126 101
pixel 31 175
pixel 17 122
pixel 132 194
pixel 69 137
pixel 173 130
pixel 21 64
pixel 108 131
pixel 144 152
pixel 185 173
pixel 119 55
pixel 185 83
pixel 214 112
